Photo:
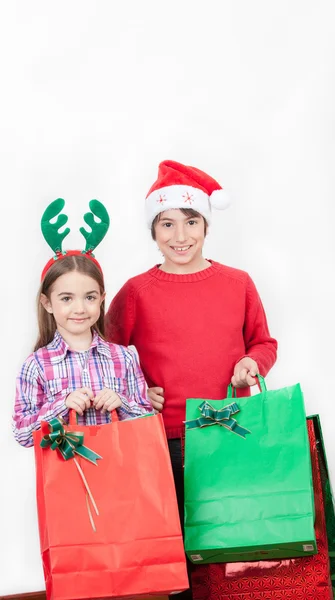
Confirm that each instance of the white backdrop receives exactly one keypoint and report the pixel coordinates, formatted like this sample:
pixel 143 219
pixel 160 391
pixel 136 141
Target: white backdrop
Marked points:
pixel 93 96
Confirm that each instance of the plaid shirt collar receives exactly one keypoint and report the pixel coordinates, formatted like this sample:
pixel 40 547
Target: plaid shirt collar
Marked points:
pixel 58 348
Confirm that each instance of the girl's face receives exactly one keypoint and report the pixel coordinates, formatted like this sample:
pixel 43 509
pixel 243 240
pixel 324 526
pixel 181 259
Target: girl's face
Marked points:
pixel 74 302
pixel 180 238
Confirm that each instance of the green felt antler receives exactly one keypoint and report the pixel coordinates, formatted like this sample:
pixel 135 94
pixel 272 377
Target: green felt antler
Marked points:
pixel 99 230
pixel 50 230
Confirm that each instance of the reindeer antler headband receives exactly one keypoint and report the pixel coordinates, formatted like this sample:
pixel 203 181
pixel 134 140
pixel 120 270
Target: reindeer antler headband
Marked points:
pixel 55 239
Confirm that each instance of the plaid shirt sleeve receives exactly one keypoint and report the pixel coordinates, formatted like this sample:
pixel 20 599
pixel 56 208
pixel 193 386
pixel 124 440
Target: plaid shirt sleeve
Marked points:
pixel 31 404
pixel 135 401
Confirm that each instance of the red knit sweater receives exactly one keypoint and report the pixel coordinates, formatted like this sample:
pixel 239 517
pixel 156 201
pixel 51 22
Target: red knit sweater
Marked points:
pixel 190 331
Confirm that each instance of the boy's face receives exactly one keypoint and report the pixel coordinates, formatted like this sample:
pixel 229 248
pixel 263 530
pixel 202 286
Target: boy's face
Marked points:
pixel 180 238
pixel 74 302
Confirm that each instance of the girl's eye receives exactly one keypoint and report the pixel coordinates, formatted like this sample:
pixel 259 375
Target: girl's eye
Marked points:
pixel 91 298
pixel 66 298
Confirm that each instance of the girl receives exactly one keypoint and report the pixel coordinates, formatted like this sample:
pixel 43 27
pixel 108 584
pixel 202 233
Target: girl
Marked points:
pixel 197 324
pixel 72 366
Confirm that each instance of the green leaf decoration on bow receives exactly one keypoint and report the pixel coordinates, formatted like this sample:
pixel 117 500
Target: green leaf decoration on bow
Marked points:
pixel 50 230
pixel 98 230
pixel 68 443
pixel 222 417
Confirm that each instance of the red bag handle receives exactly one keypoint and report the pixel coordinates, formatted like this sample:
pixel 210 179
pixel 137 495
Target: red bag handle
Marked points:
pixel 73 417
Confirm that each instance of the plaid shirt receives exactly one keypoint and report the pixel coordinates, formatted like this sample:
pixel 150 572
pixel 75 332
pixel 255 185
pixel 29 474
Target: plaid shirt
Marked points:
pixel 51 373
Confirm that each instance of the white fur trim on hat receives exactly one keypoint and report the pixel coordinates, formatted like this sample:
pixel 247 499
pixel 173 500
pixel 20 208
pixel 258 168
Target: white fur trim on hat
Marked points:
pixel 219 199
pixel 177 196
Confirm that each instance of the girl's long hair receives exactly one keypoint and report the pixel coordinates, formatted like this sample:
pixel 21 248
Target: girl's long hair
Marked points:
pixel 46 321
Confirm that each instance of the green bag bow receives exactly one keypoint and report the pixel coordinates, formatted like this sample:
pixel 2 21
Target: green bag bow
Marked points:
pixel 67 442
pixel 222 417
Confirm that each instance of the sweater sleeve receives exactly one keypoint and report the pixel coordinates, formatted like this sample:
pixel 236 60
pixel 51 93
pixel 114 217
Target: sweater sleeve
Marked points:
pixel 120 318
pixel 259 344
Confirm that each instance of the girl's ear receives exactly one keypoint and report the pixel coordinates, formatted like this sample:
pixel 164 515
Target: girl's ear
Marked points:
pixel 103 296
pixel 44 300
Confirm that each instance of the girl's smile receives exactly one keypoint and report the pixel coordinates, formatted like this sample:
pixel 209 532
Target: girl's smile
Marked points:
pixel 78 320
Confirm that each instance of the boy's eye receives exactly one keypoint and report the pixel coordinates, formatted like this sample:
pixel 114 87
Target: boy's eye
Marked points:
pixel 66 298
pixel 193 222
pixel 167 224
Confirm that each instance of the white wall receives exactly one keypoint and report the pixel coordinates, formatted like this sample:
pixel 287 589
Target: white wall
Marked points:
pixel 94 95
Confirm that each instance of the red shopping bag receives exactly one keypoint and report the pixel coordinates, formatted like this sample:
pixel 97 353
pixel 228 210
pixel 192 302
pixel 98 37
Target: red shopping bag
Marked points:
pixel 305 578
pixel 137 548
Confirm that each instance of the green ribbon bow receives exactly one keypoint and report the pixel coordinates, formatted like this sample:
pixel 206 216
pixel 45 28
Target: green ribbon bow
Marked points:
pixel 222 417
pixel 67 442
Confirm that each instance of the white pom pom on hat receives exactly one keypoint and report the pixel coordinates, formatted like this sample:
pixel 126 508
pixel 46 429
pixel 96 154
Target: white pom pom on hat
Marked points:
pixel 219 199
pixel 181 186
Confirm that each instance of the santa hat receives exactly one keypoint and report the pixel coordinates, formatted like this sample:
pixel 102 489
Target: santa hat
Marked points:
pixel 180 186
pixel 54 238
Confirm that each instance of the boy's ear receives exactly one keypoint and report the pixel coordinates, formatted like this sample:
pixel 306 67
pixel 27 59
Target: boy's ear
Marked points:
pixel 44 300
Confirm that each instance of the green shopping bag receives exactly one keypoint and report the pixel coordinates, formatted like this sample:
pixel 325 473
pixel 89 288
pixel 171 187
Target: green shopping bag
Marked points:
pixel 248 479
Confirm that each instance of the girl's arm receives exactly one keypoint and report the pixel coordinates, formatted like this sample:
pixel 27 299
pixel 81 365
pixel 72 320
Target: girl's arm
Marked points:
pixel 135 401
pixel 32 405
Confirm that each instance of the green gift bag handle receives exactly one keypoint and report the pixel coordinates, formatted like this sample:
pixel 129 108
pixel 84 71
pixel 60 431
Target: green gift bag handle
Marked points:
pixel 231 391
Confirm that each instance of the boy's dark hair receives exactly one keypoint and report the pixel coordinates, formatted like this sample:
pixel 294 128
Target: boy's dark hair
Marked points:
pixel 188 212
pixel 46 322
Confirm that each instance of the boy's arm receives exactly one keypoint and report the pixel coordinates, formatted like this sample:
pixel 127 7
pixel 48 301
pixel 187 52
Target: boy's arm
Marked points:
pixel 120 318
pixel 31 404
pixel 259 345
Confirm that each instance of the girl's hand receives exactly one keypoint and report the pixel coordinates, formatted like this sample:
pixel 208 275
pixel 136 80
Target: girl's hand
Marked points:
pixel 79 400
pixel 245 373
pixel 106 400
pixel 156 395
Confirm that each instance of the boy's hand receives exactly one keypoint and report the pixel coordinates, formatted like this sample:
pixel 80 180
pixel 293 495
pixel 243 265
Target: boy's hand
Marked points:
pixel 107 400
pixel 79 400
pixel 156 395
pixel 245 373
